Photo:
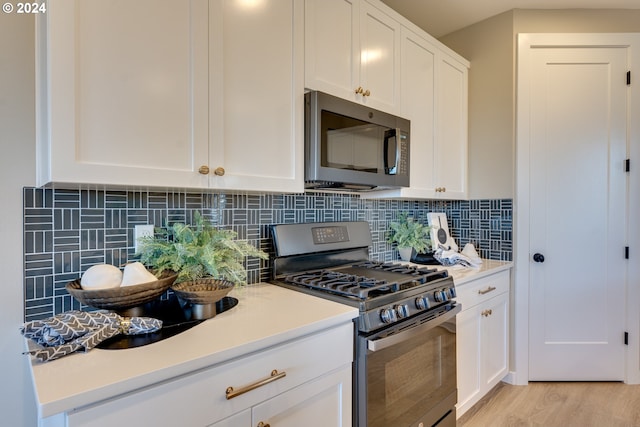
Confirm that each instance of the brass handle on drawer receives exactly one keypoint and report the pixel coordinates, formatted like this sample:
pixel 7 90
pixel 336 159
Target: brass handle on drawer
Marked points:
pixel 487 313
pixel 261 424
pixel 275 375
pixel 359 91
pixel 366 93
pixel 219 171
pixel 486 291
pixel 204 170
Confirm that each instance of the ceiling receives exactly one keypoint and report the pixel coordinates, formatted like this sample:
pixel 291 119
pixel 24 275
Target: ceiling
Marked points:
pixel 440 17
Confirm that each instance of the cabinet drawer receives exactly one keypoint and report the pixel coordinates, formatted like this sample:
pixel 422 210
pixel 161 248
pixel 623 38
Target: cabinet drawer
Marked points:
pixel 479 290
pixel 200 397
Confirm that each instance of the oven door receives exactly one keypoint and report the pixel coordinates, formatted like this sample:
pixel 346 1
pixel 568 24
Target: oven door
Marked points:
pixel 406 375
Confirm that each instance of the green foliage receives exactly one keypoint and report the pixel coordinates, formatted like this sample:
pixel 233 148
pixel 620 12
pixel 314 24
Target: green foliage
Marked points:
pixel 198 250
pixel 409 233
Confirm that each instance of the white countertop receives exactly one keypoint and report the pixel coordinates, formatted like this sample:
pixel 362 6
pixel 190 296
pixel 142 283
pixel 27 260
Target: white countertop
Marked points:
pixel 266 315
pixel 462 275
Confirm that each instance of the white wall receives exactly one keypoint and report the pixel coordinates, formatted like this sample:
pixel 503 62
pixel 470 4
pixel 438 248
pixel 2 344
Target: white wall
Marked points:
pixel 17 154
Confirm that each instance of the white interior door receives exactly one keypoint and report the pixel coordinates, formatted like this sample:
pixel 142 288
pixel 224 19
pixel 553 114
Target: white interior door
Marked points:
pixel 577 213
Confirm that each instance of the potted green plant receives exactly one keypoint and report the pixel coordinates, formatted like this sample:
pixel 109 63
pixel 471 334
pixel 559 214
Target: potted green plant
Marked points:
pixel 197 251
pixel 208 260
pixel 409 235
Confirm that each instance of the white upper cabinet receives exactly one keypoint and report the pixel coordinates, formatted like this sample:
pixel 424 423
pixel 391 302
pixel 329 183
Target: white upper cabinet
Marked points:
pixel 451 129
pixel 145 93
pixel 434 99
pixel 379 59
pixel 352 50
pixel 257 103
pixel 122 92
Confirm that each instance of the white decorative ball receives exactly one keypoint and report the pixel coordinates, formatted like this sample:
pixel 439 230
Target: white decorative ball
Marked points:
pixel 101 276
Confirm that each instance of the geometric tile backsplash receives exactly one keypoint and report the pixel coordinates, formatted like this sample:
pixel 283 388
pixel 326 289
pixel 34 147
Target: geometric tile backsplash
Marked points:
pixel 67 231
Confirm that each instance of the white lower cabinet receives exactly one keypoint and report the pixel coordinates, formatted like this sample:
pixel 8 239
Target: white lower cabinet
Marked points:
pixel 238 420
pixel 315 390
pixel 319 403
pixel 482 337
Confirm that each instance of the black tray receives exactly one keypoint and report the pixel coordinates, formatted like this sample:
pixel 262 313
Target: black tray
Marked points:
pixel 424 258
pixel 174 318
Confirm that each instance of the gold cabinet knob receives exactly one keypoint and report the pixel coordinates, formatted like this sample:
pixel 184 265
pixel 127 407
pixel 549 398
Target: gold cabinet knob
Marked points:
pixel 219 171
pixel 444 189
pixel 261 424
pixel 204 170
pixel 359 90
pixel 366 93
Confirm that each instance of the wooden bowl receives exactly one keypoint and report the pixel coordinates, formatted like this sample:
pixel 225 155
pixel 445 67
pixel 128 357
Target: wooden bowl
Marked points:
pixel 202 291
pixel 123 297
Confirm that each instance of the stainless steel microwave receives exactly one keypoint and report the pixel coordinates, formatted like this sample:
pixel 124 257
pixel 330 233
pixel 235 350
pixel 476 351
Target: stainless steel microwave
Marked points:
pixel 352 147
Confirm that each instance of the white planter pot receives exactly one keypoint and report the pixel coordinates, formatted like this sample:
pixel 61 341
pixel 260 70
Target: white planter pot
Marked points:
pixel 405 253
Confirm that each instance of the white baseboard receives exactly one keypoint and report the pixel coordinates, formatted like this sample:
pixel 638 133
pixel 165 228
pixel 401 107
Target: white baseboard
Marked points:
pixel 510 378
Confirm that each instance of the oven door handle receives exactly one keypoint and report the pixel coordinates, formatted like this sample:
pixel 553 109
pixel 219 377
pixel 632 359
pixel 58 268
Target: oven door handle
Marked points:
pixel 382 343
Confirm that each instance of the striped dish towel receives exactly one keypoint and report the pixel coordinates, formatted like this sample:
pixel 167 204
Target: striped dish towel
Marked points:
pixel 77 330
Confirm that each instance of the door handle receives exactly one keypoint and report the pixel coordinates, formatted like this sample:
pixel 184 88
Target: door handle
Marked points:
pixel 538 257
pixel 486 291
pixel 391 152
pixel 275 375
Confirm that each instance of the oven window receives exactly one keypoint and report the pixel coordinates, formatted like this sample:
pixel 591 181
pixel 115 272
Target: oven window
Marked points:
pixel 406 381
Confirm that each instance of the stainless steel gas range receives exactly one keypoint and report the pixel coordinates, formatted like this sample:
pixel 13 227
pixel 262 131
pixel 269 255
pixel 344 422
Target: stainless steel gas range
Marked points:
pixel 405 340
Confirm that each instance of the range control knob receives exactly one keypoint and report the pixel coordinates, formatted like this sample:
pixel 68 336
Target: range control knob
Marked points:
pixel 452 292
pixel 422 303
pixel 441 296
pixel 402 310
pixel 388 315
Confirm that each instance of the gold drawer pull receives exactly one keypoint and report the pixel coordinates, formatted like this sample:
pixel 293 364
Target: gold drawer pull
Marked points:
pixel 219 171
pixel 275 375
pixel 204 170
pixel 486 291
pixel 487 313
pixel 261 424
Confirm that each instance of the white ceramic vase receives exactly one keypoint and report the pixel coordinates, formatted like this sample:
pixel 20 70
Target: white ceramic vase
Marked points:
pixel 405 253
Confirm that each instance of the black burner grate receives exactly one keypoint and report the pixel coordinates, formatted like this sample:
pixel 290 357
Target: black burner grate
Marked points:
pixel 422 274
pixel 343 283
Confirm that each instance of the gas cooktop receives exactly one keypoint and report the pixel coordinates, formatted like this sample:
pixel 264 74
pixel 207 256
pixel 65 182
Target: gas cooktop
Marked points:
pixel 366 280
pixel 331 261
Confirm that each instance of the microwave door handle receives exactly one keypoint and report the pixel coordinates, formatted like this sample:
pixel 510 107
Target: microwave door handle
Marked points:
pixel 391 151
pixel 382 343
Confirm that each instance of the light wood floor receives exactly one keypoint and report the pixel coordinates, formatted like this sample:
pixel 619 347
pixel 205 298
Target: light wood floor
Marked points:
pixel 557 405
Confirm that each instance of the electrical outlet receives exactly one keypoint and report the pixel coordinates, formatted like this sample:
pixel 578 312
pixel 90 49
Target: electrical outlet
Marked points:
pixel 140 231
